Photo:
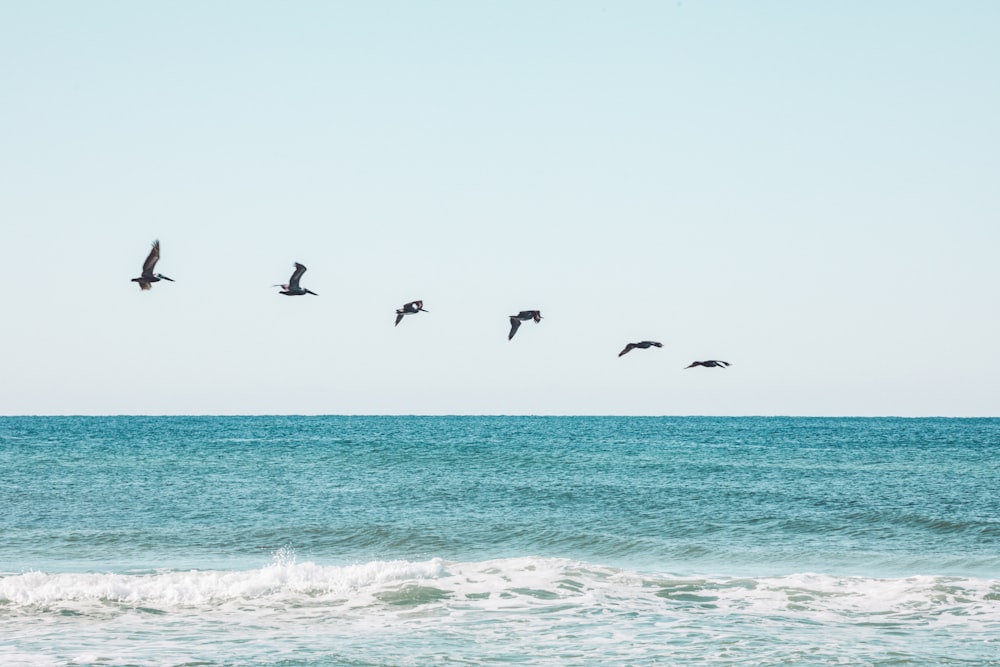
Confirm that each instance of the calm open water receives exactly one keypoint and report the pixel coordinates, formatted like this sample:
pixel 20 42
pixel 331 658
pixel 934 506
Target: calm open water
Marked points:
pixel 493 540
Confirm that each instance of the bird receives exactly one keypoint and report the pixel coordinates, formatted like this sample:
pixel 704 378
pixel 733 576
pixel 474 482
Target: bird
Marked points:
pixel 410 308
pixel 147 278
pixel 524 315
pixel 711 363
pixel 643 345
pixel 292 288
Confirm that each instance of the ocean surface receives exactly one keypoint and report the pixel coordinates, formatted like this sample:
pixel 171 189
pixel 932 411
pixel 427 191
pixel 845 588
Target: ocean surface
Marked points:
pixel 295 541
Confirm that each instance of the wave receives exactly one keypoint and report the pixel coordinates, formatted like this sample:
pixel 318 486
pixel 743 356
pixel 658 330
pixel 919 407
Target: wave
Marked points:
pixel 282 579
pixel 513 610
pixel 513 583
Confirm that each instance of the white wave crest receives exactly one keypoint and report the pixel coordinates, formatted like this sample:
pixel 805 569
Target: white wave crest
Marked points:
pixel 516 583
pixel 282 579
pixel 566 612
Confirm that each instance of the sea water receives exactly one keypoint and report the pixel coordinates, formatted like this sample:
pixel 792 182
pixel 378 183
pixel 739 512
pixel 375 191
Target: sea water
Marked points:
pixel 499 540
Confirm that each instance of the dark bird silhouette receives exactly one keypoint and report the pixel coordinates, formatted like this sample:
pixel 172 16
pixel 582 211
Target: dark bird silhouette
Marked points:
pixel 411 308
pixel 711 363
pixel 147 278
pixel 643 345
pixel 523 316
pixel 292 288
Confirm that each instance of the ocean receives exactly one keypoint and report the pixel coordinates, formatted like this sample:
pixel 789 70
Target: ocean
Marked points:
pixel 306 541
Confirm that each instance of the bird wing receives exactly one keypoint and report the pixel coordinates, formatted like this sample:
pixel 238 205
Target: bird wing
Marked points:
pixel 293 282
pixel 628 348
pixel 514 324
pixel 144 285
pixel 151 260
pixel 399 317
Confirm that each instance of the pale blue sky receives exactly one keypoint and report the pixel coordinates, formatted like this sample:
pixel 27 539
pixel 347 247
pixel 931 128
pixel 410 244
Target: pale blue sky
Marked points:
pixel 807 190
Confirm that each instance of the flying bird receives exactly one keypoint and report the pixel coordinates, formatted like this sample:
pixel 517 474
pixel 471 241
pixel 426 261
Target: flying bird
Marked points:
pixel 411 308
pixel 643 345
pixel 523 316
pixel 147 278
pixel 292 288
pixel 711 363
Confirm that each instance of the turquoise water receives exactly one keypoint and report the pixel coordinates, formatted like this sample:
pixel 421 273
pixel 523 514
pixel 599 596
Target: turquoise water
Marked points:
pixel 485 540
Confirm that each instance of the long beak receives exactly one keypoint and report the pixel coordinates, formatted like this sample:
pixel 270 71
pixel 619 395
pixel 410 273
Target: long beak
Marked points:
pixel 311 292
pixel 162 277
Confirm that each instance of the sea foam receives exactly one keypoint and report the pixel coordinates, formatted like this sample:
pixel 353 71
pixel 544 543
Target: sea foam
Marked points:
pixel 282 579
pixel 412 612
pixel 513 583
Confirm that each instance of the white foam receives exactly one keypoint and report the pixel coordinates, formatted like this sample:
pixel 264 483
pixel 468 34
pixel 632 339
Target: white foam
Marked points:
pixel 11 658
pixel 208 587
pixel 558 611
pixel 511 585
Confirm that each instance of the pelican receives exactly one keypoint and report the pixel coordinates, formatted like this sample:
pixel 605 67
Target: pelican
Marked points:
pixel 292 288
pixel 147 278
pixel 711 363
pixel 643 345
pixel 523 316
pixel 411 308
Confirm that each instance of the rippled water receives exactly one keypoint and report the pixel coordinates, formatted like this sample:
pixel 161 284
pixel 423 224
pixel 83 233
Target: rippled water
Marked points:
pixel 483 540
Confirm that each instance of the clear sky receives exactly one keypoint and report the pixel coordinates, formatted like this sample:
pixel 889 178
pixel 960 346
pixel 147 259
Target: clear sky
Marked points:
pixel 807 190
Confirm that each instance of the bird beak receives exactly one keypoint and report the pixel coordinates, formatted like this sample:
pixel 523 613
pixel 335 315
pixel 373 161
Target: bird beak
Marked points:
pixel 165 278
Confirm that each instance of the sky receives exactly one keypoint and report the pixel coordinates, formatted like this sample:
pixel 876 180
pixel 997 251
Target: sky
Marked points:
pixel 806 190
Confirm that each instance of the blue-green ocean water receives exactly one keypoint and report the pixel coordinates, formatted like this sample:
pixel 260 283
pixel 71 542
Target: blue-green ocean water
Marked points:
pixel 494 540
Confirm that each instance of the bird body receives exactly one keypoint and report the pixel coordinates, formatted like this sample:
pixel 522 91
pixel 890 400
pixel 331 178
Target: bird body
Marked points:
pixel 147 278
pixel 643 345
pixel 293 288
pixel 411 308
pixel 523 316
pixel 711 363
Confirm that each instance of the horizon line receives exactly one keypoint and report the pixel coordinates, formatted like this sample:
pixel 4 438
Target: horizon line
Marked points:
pixel 497 415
